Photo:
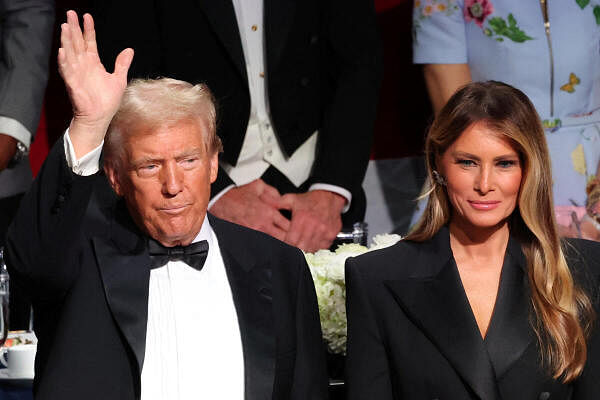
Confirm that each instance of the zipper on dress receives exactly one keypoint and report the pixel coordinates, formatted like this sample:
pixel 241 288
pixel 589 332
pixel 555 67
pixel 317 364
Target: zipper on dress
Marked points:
pixel 544 5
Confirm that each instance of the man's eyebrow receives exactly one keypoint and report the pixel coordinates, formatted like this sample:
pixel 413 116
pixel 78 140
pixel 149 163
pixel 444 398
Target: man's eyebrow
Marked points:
pixel 145 160
pixel 191 152
pixel 155 160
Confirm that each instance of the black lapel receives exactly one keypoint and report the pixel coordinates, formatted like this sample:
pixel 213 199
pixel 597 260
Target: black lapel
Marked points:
pixel 435 301
pixel 252 294
pixel 510 332
pixel 124 268
pixel 278 20
pixel 221 15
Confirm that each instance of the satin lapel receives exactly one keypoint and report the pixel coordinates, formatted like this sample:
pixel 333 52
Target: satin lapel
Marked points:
pixel 278 20
pixel 510 332
pixel 221 15
pixel 123 262
pixel 252 294
pixel 436 302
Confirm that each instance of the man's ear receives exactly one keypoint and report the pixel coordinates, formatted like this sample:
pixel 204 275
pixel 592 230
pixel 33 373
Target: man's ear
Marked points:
pixel 113 178
pixel 214 166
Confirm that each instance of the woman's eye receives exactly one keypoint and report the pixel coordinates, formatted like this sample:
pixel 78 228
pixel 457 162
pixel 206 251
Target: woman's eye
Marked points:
pixel 506 163
pixel 465 162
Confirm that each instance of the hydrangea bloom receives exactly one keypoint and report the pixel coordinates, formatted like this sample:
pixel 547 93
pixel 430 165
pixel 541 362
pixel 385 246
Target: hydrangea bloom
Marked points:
pixel 327 269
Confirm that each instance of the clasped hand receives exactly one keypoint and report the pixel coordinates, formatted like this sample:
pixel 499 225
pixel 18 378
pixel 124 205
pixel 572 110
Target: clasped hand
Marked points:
pixel 316 215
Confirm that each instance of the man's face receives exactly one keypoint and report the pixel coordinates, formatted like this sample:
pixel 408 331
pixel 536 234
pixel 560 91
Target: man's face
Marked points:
pixel 165 180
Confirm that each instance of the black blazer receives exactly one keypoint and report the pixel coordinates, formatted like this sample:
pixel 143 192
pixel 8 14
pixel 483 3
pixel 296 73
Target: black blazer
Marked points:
pixel 412 335
pixel 323 71
pixel 75 249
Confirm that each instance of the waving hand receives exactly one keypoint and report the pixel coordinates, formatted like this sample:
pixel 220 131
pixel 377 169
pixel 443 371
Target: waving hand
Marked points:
pixel 95 94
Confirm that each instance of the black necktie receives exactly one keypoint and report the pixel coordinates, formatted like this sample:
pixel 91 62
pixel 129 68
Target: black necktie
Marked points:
pixel 193 255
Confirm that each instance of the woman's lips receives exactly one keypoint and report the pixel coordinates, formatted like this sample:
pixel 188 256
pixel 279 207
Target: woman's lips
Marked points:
pixel 484 205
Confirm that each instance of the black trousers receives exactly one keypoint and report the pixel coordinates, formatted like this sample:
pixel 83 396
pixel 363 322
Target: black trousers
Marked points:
pixel 19 303
pixel 356 213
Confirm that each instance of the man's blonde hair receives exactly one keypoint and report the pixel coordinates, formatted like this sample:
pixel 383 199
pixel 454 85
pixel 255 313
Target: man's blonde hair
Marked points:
pixel 164 102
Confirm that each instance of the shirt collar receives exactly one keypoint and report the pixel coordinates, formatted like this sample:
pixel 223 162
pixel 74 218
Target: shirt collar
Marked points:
pixel 205 233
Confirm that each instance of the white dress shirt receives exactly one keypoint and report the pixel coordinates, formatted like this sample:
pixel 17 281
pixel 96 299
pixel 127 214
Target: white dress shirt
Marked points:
pixel 12 127
pixel 261 148
pixel 193 342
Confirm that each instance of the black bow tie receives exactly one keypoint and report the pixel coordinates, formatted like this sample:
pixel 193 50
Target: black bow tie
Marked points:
pixel 193 255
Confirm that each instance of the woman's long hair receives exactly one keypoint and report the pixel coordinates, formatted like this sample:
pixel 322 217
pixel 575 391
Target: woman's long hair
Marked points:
pixel 563 310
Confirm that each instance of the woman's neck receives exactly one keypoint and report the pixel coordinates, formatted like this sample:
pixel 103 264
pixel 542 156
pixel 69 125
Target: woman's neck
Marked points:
pixel 474 243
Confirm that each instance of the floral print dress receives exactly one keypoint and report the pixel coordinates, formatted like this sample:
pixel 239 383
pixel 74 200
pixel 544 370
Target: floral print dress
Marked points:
pixel 550 49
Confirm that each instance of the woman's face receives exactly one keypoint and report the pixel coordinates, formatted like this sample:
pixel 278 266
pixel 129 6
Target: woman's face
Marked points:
pixel 483 174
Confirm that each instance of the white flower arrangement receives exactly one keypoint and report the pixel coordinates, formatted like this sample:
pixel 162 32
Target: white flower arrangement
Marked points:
pixel 327 269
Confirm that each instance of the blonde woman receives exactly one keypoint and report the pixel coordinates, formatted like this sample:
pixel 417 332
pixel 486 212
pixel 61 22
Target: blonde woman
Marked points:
pixel 482 300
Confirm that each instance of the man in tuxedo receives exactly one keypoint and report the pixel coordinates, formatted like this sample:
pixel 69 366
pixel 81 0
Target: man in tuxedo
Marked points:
pixel 138 292
pixel 297 82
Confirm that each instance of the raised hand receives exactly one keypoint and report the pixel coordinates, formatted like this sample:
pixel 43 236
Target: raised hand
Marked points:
pixel 95 94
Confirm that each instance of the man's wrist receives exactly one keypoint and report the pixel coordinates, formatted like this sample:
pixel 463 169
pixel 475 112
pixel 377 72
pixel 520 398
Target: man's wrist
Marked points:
pixel 336 200
pixel 21 152
pixel 86 135
pixel 344 193
pixel 216 197
pixel 8 148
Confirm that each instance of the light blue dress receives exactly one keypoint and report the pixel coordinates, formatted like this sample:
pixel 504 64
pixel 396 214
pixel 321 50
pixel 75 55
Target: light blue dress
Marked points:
pixel 506 40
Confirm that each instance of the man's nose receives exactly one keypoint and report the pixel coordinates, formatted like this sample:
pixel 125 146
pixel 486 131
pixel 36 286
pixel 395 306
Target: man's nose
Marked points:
pixel 172 179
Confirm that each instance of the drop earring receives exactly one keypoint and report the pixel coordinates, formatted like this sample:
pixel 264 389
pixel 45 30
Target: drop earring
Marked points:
pixel 438 178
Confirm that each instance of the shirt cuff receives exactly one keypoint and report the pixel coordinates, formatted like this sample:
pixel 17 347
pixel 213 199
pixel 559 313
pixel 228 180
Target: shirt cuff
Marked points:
pixel 87 165
pixel 14 128
pixel 219 195
pixel 335 189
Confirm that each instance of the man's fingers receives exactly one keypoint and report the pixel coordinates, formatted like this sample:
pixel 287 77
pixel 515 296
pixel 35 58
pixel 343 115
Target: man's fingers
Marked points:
pixel 281 221
pixel 287 201
pixel 76 35
pixel 293 234
pixel 123 62
pixel 62 61
pixel 276 232
pixel 66 43
pixel 272 197
pixel 89 34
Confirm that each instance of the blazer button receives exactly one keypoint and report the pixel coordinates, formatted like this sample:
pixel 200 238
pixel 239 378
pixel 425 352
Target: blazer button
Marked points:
pixel 544 396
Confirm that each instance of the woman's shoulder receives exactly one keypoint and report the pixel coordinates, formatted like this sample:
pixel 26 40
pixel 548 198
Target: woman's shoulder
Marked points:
pixel 582 250
pixel 583 256
pixel 392 262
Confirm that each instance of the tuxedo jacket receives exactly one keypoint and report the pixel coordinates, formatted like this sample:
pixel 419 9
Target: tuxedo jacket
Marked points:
pixel 412 334
pixel 88 273
pixel 322 65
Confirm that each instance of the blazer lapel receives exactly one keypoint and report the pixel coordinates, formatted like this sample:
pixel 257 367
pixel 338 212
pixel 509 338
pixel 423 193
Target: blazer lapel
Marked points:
pixel 510 332
pixel 123 262
pixel 221 16
pixel 252 294
pixel 435 301
pixel 278 20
